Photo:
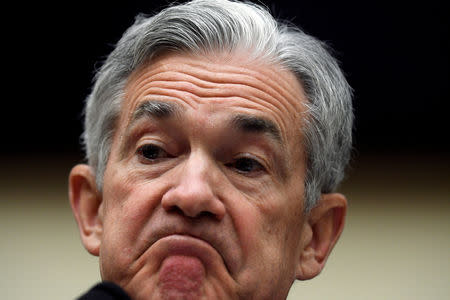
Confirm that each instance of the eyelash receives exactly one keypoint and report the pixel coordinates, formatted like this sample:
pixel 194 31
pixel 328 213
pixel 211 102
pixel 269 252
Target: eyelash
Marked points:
pixel 241 165
pixel 151 147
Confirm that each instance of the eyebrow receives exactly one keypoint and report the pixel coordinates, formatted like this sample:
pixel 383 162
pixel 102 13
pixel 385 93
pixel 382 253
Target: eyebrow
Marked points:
pixel 160 110
pixel 156 110
pixel 247 123
pixel 261 125
pixel 255 124
pixel 152 109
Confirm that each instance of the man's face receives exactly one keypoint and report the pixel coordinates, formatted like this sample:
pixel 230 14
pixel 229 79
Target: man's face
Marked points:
pixel 203 190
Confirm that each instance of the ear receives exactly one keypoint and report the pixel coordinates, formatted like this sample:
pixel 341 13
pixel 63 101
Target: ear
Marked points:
pixel 322 230
pixel 86 203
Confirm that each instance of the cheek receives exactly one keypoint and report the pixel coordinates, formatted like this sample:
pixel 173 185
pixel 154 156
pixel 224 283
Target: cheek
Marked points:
pixel 127 210
pixel 277 209
pixel 128 195
pixel 260 225
pixel 271 225
pixel 268 243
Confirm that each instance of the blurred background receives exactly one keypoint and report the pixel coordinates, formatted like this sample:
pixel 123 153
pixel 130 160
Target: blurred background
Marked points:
pixel 396 57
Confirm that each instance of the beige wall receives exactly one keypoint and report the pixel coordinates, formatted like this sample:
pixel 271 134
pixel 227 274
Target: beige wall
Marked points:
pixel 395 245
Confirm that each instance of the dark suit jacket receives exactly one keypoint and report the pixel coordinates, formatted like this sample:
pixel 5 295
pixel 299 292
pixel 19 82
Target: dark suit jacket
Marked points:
pixel 105 291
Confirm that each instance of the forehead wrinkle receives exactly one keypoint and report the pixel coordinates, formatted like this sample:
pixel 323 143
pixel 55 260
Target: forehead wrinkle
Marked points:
pixel 207 74
pixel 281 94
pixel 188 90
pixel 265 75
pixel 246 87
pixel 182 88
pixel 268 84
pixel 273 80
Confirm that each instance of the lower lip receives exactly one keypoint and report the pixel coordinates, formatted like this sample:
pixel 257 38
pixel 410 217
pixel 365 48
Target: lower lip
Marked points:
pixel 186 246
pixel 180 274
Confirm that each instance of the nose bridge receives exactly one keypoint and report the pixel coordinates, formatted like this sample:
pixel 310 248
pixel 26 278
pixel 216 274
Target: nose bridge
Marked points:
pixel 194 191
pixel 196 170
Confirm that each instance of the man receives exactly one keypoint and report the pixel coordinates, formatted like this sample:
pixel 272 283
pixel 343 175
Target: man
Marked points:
pixel 215 139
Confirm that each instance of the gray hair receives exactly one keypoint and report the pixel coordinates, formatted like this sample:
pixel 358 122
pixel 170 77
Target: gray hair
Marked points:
pixel 207 26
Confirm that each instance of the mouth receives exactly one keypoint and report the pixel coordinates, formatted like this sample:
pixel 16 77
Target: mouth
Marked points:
pixel 187 245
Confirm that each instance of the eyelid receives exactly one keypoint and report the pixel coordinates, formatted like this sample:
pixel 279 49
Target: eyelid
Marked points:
pixel 251 156
pixel 264 165
pixel 155 143
pixel 148 141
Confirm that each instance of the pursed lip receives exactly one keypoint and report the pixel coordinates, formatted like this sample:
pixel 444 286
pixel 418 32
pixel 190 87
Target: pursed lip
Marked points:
pixel 187 245
pixel 202 240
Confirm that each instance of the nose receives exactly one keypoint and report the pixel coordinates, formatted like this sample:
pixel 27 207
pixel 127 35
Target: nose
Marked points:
pixel 194 189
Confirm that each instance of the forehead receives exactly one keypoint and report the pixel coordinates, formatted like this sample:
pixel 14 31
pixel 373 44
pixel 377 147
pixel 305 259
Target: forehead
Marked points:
pixel 218 84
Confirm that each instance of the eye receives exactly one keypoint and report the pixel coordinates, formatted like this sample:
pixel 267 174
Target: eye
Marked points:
pixel 246 165
pixel 152 152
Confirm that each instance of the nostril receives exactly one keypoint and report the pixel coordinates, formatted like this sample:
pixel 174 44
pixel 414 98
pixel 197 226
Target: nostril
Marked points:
pixel 206 214
pixel 176 210
pixel 193 199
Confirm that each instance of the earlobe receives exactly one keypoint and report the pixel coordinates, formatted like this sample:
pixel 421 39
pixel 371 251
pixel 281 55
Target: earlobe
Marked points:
pixel 322 230
pixel 86 204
